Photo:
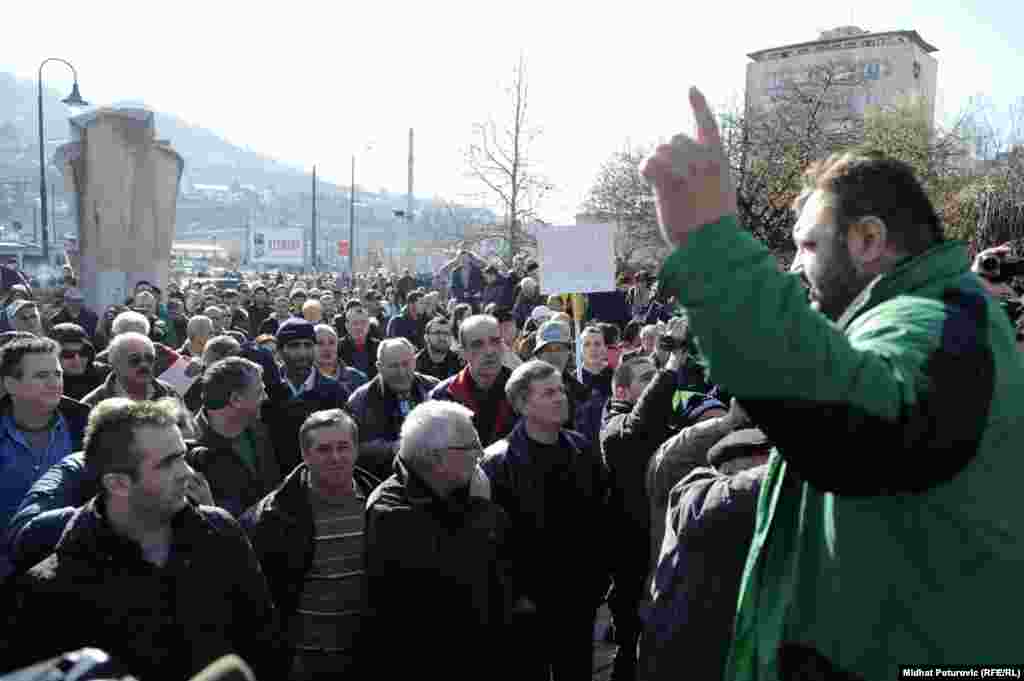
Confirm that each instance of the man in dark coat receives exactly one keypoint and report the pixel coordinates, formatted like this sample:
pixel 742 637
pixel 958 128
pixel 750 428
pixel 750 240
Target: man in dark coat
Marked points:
pixel 74 311
pixel 234 450
pixel 481 385
pixel 381 405
pixel 636 421
pixel 467 282
pixel 437 358
pixel 435 549
pixel 164 586
pixel 356 346
pixel 499 289
pixel 81 374
pixel 305 391
pixel 408 324
pixel 553 485
pixel 697 578
pixel 301 531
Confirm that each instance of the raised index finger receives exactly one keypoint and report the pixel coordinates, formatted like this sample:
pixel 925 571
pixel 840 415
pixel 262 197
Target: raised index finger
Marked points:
pixel 707 128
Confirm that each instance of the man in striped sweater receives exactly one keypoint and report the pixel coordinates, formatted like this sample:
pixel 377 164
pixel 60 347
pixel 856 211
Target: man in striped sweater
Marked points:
pixel 308 535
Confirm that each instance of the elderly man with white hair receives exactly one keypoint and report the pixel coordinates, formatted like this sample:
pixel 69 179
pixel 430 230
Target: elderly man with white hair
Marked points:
pixel 199 331
pixel 435 549
pixel 136 322
pixel 132 358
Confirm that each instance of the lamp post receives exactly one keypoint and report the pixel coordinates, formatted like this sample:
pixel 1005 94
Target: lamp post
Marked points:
pixel 74 99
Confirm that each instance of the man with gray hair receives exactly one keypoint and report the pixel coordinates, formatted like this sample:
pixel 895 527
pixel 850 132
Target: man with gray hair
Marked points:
pixel 381 405
pixel 131 321
pixel 481 385
pixel 435 549
pixel 199 330
pixel 553 483
pixel 132 358
pixel 215 349
pixel 235 452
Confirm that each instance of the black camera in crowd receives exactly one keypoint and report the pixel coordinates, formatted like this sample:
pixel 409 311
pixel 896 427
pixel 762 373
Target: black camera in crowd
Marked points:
pixel 999 270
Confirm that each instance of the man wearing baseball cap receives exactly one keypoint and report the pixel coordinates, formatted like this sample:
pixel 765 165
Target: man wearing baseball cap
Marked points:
pixel 554 346
pixel 307 390
pixel 75 312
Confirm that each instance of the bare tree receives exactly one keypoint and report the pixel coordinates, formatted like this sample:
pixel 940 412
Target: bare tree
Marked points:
pixel 621 196
pixel 804 116
pixel 499 157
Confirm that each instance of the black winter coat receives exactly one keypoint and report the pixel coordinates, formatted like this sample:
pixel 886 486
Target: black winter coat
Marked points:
pixel 375 409
pixel 430 560
pixel 280 527
pixel 235 486
pixel 558 520
pixel 630 435
pixel 210 599
pixel 284 415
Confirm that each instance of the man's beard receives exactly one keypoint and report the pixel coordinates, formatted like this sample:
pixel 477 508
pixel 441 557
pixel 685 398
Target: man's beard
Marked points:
pixel 839 284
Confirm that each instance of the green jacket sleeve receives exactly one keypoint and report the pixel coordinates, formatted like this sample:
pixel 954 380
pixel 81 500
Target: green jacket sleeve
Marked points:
pixel 890 381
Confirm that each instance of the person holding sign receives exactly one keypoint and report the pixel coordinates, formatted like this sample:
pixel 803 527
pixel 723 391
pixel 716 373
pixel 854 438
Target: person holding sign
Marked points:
pixel 902 357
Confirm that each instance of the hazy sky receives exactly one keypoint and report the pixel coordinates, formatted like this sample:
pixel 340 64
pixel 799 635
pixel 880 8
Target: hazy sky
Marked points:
pixel 315 82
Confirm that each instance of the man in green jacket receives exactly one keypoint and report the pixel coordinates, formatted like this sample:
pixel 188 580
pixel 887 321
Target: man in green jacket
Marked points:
pixel 904 546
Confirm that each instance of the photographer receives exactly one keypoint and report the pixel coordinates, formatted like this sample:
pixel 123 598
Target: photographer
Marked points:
pixel 636 422
pixel 996 270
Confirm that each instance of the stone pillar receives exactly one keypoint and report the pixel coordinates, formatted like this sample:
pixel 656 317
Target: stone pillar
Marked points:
pixel 126 182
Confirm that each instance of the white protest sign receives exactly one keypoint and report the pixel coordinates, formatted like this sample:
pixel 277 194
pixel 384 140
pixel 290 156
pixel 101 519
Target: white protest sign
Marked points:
pixel 576 258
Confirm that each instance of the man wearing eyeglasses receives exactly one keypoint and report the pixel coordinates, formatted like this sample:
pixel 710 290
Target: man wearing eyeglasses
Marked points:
pixel 435 546
pixel 132 359
pixel 81 375
pixel 436 358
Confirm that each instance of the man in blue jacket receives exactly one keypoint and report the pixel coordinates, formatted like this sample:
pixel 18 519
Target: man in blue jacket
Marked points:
pixel 307 391
pixel 409 324
pixel 38 427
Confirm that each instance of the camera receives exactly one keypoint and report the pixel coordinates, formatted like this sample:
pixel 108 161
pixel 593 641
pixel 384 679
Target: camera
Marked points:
pixel 1000 270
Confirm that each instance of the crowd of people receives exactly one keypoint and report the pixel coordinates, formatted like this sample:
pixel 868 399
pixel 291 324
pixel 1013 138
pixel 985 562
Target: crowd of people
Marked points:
pixel 383 476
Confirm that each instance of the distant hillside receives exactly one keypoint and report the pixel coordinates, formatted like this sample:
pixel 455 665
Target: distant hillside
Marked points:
pixel 208 158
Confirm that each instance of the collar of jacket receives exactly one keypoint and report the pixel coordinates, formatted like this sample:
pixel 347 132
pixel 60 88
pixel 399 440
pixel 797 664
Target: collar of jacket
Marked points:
pixel 68 409
pixel 943 261
pixel 420 388
pixel 88 533
pixel 290 499
pixel 112 388
pixel 519 446
pixel 463 389
pixel 419 494
pixel 206 436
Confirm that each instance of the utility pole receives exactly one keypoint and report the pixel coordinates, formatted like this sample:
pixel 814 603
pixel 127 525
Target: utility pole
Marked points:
pixel 352 223
pixel 313 245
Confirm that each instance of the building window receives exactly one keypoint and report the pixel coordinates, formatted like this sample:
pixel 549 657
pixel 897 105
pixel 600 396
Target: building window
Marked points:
pixel 872 71
pixel 917 70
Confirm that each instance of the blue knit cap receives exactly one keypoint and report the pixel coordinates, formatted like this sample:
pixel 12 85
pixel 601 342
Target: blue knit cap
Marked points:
pixel 295 329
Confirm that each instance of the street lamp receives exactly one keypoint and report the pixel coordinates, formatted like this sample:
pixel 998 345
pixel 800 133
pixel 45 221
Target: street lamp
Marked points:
pixel 74 99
